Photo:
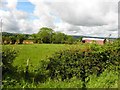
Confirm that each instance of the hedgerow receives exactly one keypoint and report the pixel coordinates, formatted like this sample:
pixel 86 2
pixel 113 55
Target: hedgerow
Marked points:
pixel 80 62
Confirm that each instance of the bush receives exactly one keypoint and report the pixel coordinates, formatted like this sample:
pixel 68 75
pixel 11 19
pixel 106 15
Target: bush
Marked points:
pixel 81 62
pixel 8 70
pixel 41 74
pixel 8 55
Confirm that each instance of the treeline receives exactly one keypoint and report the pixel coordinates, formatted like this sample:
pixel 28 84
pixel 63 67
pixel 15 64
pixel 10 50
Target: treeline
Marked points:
pixel 45 35
pixel 19 38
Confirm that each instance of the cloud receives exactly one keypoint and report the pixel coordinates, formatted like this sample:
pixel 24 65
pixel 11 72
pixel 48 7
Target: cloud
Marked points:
pixel 79 17
pixel 11 4
pixel 9 23
pixel 82 13
pixel 16 21
pixel 42 11
pixel 76 17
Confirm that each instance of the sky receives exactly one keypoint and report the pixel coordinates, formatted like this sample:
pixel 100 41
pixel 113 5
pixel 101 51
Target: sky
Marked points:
pixel 97 18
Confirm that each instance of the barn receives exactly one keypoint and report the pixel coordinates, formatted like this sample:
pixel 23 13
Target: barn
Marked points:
pixel 94 40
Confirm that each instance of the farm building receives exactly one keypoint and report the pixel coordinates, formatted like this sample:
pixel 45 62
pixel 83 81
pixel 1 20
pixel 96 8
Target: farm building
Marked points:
pixel 28 42
pixel 94 40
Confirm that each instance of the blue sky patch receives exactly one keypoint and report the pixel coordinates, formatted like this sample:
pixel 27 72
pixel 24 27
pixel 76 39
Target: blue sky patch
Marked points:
pixel 25 6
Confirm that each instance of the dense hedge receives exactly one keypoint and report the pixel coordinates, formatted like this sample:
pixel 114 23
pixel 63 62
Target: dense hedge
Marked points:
pixel 81 62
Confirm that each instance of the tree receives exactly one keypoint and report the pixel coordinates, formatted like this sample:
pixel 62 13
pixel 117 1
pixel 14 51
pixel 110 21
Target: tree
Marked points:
pixel 13 39
pixel 3 39
pixel 58 37
pixel 45 35
pixel 70 39
pixel 7 40
pixel 21 38
pixel 35 38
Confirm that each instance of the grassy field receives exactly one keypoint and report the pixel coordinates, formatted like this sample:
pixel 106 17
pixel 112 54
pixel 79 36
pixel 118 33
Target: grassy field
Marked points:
pixel 35 53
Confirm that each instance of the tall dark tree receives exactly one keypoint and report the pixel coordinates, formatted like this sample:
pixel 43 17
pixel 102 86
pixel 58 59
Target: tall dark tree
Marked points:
pixel 13 39
pixel 21 38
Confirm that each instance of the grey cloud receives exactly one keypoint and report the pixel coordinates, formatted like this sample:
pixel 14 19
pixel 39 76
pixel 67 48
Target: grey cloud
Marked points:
pixel 10 24
pixel 81 18
pixel 10 27
pixel 74 28
pixel 81 15
pixel 113 29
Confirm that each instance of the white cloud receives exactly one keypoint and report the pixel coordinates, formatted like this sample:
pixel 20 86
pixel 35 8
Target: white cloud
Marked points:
pixel 78 17
pixel 82 13
pixel 16 21
pixel 11 4
pixel 43 13
pixel 9 23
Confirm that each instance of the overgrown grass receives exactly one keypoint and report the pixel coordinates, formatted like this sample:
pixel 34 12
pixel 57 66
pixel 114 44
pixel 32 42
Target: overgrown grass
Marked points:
pixel 105 80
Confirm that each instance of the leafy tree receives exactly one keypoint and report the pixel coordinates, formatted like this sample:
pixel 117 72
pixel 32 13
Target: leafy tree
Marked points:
pixel 21 38
pixel 45 35
pixel 58 37
pixel 13 39
pixel 70 39
pixel 7 40
pixel 35 38
pixel 3 39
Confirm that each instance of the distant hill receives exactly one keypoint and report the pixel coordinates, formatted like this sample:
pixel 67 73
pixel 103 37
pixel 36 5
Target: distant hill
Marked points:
pixel 11 34
pixel 7 34
pixel 92 37
pixel 75 36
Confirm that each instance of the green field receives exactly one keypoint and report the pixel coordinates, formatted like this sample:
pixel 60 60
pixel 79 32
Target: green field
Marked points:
pixel 37 52
pixel 34 53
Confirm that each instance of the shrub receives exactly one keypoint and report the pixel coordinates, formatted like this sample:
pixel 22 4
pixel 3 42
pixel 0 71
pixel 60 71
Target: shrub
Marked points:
pixel 41 74
pixel 80 62
pixel 8 70
pixel 8 55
